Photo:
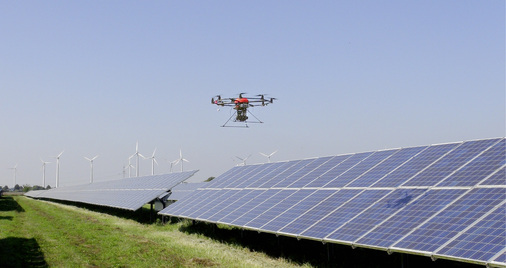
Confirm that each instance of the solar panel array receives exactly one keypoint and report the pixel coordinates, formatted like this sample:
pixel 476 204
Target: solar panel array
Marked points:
pixel 129 193
pixel 444 201
pixel 183 189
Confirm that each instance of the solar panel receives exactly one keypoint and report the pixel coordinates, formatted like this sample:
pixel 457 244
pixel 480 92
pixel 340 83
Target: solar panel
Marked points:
pixel 310 217
pixel 449 222
pixel 363 167
pixel 267 174
pixel 184 189
pixel 129 193
pixel 479 168
pixel 450 163
pixel 344 212
pixel 327 172
pixel 316 168
pixel 240 199
pixel 497 178
pixel 367 220
pixel 240 206
pixel 212 208
pixel 299 208
pixel 302 169
pixel 333 175
pixel 444 201
pixel 482 240
pixel 414 214
pixel 240 216
pixel 281 206
pixel 415 165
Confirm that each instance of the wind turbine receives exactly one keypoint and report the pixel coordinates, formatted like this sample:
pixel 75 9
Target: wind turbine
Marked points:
pixel 243 160
pixel 137 154
pixel 153 161
pixel 15 168
pixel 172 164
pixel 58 168
pixel 180 160
pixel 44 172
pixel 91 166
pixel 269 156
pixel 130 165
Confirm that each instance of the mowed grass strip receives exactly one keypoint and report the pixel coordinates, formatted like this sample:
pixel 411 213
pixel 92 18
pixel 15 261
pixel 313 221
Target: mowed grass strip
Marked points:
pixel 66 236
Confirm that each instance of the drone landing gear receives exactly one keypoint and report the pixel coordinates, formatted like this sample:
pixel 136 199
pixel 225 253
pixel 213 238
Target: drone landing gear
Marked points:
pixel 237 119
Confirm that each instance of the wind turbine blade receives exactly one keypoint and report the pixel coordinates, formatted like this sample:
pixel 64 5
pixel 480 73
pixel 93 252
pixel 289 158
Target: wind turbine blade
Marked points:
pixel 94 157
pixel 185 160
pixel 264 154
pixel 60 154
pixel 142 156
pixel 274 153
pixel 87 158
pixel 154 153
pixel 155 161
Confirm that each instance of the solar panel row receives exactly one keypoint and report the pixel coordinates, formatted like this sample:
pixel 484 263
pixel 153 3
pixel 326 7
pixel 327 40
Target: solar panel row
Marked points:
pixel 129 193
pixel 438 200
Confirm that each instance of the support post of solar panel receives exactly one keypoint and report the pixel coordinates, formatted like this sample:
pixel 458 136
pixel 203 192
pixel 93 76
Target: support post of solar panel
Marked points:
pixel 151 211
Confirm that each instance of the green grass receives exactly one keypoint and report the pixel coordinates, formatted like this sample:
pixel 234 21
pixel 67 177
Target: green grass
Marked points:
pixel 40 234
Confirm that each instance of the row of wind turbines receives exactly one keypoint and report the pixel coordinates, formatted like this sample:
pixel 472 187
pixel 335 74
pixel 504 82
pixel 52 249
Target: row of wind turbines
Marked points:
pixel 153 162
pixel 138 155
pixel 243 160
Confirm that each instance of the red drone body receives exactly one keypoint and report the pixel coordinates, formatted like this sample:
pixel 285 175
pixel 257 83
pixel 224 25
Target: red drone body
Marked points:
pixel 241 105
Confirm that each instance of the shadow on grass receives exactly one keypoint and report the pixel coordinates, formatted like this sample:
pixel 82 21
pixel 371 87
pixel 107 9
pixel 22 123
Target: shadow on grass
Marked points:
pixel 312 252
pixel 142 215
pixel 7 203
pixel 21 252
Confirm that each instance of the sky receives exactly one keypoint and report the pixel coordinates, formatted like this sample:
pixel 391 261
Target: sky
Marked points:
pixel 96 77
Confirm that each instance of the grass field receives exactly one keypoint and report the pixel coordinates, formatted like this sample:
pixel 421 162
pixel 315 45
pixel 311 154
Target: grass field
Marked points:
pixel 40 234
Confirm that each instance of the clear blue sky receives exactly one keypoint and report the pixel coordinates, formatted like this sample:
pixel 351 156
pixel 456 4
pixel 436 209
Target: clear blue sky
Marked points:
pixel 94 77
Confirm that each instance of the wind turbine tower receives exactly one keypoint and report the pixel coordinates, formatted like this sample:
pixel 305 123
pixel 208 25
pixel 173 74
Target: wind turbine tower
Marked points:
pixel 15 168
pixel 137 154
pixel 91 166
pixel 58 168
pixel 153 161
pixel 44 172
pixel 181 160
